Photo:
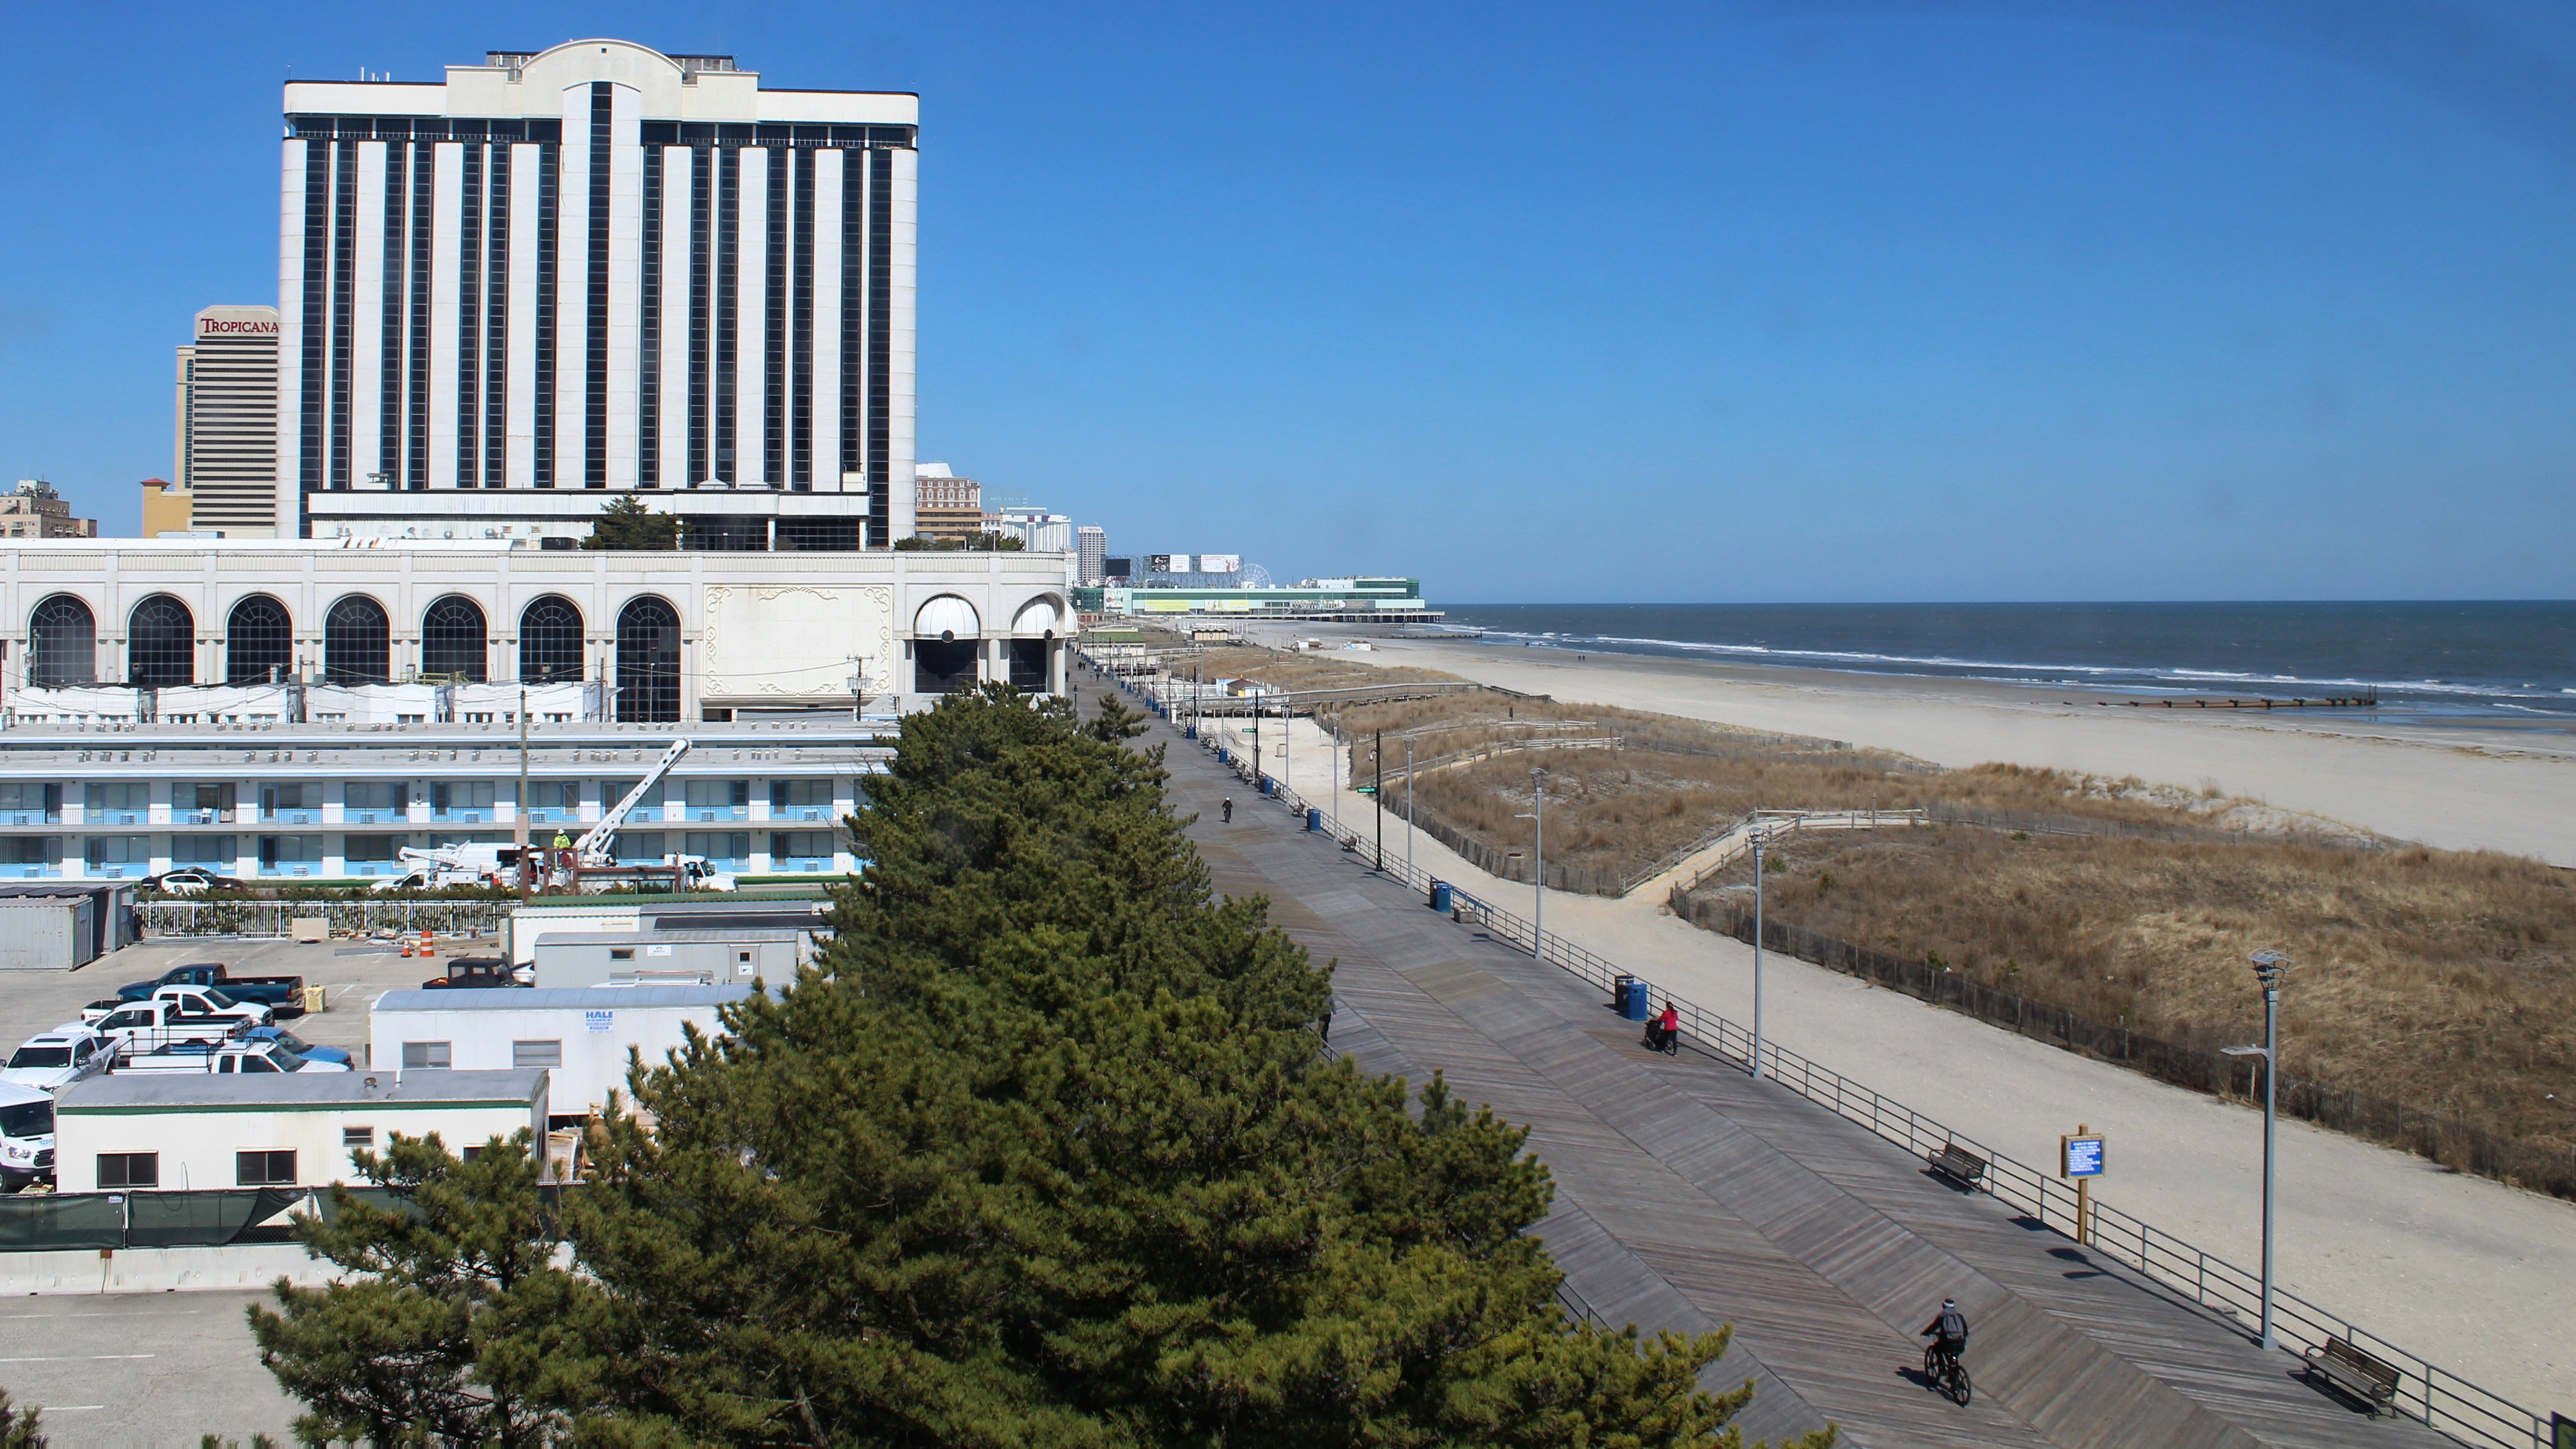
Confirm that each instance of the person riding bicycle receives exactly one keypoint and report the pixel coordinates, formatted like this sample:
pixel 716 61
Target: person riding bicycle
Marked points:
pixel 1229 810
pixel 1949 1329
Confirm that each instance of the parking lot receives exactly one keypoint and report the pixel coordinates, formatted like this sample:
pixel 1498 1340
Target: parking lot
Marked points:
pixel 141 1368
pixel 165 1368
pixel 350 973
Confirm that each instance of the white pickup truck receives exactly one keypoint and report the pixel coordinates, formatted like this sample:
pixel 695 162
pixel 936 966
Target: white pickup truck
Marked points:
pixel 225 1057
pixel 207 1003
pixel 143 1026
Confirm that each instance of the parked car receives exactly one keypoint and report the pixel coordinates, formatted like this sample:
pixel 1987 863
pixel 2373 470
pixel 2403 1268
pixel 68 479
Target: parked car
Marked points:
pixel 283 994
pixel 67 1054
pixel 141 1026
pixel 302 1048
pixel 226 1058
pixel 478 973
pixel 26 1135
pixel 190 881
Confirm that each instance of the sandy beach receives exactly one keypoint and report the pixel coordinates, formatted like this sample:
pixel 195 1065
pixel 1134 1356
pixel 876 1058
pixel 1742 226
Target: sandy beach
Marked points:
pixel 2458 788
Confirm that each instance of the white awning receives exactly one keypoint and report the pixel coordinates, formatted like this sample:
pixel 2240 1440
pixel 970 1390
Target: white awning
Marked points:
pixel 1037 619
pixel 947 617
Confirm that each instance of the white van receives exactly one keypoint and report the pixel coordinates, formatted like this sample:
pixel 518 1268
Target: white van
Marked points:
pixel 26 1136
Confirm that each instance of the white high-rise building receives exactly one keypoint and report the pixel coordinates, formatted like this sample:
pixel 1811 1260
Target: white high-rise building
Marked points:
pixel 557 277
pixel 227 422
pixel 1092 544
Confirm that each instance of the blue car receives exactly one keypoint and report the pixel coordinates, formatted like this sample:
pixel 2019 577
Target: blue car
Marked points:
pixel 298 1045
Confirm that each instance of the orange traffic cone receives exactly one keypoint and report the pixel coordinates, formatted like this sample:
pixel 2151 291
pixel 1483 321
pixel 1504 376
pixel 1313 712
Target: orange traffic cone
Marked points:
pixel 428 946
pixel 406 948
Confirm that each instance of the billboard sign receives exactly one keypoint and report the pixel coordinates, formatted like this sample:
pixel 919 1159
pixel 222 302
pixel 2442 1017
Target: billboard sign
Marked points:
pixel 1220 563
pixel 1160 563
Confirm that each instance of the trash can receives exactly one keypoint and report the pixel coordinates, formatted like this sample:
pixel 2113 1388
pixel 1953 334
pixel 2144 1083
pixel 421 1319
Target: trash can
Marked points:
pixel 1314 818
pixel 1636 999
pixel 1440 895
pixel 1619 985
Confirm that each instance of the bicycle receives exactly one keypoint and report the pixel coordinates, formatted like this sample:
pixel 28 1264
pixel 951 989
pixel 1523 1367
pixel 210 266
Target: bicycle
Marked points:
pixel 1948 1375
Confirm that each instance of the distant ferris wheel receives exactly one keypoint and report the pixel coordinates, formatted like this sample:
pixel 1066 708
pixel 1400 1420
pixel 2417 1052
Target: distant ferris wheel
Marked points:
pixel 1255 576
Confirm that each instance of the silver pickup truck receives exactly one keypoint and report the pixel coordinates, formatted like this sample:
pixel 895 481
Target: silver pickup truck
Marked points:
pixel 225 1057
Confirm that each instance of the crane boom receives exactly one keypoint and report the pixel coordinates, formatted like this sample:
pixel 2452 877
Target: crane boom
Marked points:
pixel 600 841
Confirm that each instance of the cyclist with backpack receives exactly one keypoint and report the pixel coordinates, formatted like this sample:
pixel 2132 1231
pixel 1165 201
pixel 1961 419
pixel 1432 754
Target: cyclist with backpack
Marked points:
pixel 1949 1333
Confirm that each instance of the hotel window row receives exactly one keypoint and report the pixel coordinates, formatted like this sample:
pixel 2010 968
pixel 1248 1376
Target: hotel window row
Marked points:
pixel 598 302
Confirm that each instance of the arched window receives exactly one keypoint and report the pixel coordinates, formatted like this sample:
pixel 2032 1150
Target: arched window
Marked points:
pixel 160 644
pixel 357 644
pixel 259 642
pixel 62 644
pixel 648 661
pixel 451 639
pixel 549 641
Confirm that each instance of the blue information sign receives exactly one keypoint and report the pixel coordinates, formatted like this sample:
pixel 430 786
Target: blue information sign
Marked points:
pixel 2082 1157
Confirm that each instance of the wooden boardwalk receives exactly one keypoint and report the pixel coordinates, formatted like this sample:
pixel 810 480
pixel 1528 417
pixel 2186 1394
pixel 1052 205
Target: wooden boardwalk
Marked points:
pixel 1688 1195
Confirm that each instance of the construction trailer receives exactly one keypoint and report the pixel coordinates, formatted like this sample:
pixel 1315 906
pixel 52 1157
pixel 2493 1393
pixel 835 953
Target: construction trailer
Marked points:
pixel 670 958
pixel 61 926
pixel 195 1131
pixel 581 1035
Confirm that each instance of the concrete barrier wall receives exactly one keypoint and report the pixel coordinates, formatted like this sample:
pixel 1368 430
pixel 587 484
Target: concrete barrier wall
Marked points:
pixel 158 1270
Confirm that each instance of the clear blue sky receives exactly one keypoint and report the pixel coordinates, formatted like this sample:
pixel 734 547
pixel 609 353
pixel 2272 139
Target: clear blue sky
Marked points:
pixel 1693 302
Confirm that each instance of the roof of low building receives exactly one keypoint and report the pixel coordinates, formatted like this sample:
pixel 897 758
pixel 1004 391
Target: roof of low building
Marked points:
pixel 661 938
pixel 559 998
pixel 181 1091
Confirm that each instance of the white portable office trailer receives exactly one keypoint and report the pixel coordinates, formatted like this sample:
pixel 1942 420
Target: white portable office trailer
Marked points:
pixel 670 958
pixel 192 1132
pixel 581 1035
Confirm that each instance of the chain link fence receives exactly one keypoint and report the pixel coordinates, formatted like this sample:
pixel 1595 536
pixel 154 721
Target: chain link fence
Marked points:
pixel 267 920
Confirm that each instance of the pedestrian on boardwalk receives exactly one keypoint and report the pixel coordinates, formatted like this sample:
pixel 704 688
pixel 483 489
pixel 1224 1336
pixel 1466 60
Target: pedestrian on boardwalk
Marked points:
pixel 1228 809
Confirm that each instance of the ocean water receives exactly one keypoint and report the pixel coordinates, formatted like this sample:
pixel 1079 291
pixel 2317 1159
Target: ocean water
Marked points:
pixel 2454 663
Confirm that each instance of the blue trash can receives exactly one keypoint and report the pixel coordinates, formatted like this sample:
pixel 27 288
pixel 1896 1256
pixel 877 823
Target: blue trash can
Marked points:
pixel 1440 896
pixel 1314 818
pixel 1633 1006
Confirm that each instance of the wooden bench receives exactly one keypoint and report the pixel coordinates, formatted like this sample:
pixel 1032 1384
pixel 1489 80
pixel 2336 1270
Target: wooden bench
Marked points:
pixel 1959 1165
pixel 2368 1380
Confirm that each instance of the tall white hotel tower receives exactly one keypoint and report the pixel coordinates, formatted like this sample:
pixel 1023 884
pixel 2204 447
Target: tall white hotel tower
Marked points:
pixel 560 276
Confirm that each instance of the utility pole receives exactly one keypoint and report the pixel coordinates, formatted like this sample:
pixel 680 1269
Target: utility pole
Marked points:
pixel 858 682
pixel 1757 948
pixel 526 875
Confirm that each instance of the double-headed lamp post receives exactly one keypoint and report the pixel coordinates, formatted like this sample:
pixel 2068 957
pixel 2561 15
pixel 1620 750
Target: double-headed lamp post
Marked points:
pixel 2269 968
pixel 1538 835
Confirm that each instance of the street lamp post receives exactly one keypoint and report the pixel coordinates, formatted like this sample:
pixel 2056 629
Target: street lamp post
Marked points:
pixel 2269 968
pixel 1408 809
pixel 1538 875
pixel 1757 950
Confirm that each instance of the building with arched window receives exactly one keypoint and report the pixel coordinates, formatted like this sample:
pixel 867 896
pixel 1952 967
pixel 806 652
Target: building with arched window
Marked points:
pixel 160 644
pixel 423 632
pixel 452 645
pixel 357 643
pixel 259 642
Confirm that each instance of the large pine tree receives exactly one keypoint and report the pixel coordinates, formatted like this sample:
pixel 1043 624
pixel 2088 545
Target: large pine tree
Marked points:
pixel 1047 1150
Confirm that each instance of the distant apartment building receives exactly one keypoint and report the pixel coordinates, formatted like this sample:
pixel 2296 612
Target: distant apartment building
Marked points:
pixel 1091 544
pixel 946 506
pixel 37 511
pixel 167 508
pixel 225 445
